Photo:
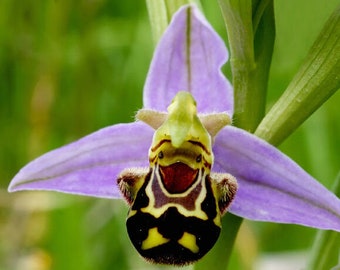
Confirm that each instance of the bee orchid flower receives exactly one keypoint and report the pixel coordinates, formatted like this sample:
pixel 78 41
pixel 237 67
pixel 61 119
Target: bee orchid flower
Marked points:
pixel 181 164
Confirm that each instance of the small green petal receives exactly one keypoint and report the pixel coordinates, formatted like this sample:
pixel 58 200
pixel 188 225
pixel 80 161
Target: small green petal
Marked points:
pixel 316 81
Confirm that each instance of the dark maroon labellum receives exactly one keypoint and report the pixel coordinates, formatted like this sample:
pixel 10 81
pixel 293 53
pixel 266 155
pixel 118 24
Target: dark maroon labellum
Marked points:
pixel 178 177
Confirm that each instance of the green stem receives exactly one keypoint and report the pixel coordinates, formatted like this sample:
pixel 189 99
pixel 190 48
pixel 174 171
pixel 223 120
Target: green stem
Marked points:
pixel 251 33
pixel 251 45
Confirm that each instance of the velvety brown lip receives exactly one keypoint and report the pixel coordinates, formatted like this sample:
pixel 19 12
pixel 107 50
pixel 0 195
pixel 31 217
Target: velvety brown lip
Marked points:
pixel 178 177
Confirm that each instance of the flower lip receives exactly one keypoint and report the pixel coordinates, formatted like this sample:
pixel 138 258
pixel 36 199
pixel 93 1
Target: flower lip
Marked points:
pixel 178 177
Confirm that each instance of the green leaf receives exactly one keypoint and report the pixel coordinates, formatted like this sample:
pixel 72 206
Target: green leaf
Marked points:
pixel 315 82
pixel 158 18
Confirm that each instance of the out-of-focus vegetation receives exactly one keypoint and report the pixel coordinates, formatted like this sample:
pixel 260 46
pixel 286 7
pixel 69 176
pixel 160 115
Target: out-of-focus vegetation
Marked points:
pixel 68 68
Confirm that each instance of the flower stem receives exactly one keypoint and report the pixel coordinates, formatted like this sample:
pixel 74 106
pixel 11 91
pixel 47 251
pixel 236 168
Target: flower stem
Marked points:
pixel 317 80
pixel 326 248
pixel 251 33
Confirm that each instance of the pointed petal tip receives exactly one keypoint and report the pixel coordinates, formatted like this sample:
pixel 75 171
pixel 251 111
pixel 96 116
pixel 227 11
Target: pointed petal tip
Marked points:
pixel 90 165
pixel 72 182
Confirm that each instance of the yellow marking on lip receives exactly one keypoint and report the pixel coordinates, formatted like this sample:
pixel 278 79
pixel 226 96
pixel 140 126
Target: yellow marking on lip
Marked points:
pixel 188 241
pixel 157 212
pixel 132 213
pixel 154 239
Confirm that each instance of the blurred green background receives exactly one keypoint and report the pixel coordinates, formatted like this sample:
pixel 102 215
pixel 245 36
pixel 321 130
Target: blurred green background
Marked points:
pixel 68 68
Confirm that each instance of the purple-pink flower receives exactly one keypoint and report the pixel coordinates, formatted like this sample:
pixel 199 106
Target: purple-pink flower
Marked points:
pixel 189 57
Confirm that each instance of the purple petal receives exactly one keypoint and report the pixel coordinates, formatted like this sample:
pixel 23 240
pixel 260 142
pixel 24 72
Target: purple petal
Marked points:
pixel 189 57
pixel 90 165
pixel 272 187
